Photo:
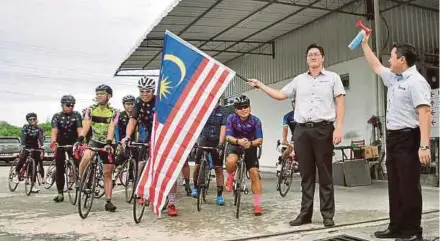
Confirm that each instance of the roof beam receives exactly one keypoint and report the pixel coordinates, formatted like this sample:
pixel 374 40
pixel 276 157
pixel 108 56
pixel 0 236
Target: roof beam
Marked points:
pixel 187 27
pixel 296 29
pixel 273 24
pixel 399 3
pixel 326 8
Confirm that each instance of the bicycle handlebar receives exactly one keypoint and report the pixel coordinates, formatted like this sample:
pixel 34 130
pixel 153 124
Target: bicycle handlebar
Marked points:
pixel 33 149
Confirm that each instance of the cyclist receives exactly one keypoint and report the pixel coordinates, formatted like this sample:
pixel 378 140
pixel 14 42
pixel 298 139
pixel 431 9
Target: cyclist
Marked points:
pixel 120 130
pixel 244 130
pixel 288 123
pixel 31 137
pixel 101 117
pixel 66 126
pixel 213 135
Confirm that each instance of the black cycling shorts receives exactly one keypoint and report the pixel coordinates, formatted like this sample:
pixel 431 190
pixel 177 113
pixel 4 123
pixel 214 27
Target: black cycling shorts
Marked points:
pixel 103 155
pixel 251 155
pixel 216 158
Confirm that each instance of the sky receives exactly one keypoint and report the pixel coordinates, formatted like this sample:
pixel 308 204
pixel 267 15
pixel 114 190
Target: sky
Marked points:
pixel 49 48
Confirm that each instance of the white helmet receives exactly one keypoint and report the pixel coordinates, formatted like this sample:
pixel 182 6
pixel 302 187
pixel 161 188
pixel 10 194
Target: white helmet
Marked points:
pixel 147 83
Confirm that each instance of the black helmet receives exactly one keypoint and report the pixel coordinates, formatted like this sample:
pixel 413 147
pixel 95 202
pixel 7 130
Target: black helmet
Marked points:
pixel 146 83
pixel 68 99
pixel 241 100
pixel 29 115
pixel 104 88
pixel 128 98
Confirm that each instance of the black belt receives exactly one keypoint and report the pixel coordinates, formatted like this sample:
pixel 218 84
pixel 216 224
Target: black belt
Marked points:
pixel 315 124
pixel 402 130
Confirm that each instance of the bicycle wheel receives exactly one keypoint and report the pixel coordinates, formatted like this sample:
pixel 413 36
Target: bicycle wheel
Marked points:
pixel 30 176
pixel 72 182
pixel 286 177
pixel 239 188
pixel 87 190
pixel 12 185
pixel 130 179
pixel 138 208
pixel 201 183
pixel 50 175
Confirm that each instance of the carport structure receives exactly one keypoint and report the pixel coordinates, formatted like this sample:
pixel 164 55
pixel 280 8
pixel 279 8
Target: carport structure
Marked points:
pixel 229 29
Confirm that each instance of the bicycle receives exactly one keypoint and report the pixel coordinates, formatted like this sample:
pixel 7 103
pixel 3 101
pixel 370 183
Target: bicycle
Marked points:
pixel 289 165
pixel 50 175
pixel 240 179
pixel 71 175
pixel 205 176
pixel 131 165
pixel 90 181
pixel 28 172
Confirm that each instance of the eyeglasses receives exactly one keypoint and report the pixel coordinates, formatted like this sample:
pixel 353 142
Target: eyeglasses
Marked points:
pixel 129 103
pixel 70 105
pixel 242 107
pixel 32 119
pixel 313 55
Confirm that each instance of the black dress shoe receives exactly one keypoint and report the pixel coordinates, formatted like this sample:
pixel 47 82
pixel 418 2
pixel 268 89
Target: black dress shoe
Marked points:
pixel 299 221
pixel 410 238
pixel 387 234
pixel 328 222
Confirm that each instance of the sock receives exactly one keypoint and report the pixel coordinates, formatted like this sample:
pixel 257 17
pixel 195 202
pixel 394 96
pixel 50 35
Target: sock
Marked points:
pixel 231 176
pixel 108 200
pixel 172 198
pixel 257 199
pixel 219 190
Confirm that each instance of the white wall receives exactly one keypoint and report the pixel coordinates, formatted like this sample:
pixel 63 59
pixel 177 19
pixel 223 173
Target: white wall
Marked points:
pixel 360 105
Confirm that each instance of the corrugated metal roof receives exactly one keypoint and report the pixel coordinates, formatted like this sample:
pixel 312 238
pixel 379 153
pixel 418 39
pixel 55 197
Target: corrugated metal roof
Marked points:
pixel 236 21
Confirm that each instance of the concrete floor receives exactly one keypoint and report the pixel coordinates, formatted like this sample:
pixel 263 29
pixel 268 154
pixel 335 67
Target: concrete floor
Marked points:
pixel 37 217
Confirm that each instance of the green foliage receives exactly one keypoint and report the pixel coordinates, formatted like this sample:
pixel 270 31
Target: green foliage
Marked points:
pixel 7 129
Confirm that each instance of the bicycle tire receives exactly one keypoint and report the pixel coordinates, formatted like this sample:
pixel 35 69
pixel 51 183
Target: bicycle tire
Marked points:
pixel 72 193
pixel 11 184
pixel 89 172
pixel 201 183
pixel 135 198
pixel 239 190
pixel 282 177
pixel 50 175
pixel 30 167
pixel 129 194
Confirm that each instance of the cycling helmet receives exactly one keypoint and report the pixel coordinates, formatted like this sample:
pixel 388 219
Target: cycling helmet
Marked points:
pixel 68 99
pixel 104 88
pixel 241 100
pixel 29 115
pixel 146 83
pixel 128 98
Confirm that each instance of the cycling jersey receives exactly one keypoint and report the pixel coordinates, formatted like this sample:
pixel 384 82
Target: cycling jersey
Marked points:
pixel 289 121
pixel 250 128
pixel 121 127
pixel 217 119
pixel 143 112
pixel 32 136
pixel 100 120
pixel 67 125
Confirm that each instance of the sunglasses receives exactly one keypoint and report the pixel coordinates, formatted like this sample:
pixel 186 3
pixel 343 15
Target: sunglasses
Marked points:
pixel 70 105
pixel 146 91
pixel 129 103
pixel 101 93
pixel 32 119
pixel 242 107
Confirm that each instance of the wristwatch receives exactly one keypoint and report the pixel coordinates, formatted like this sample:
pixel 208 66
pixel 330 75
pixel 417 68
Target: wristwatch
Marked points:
pixel 424 147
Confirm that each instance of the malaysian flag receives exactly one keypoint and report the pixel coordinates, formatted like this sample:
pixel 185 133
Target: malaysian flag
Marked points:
pixel 190 85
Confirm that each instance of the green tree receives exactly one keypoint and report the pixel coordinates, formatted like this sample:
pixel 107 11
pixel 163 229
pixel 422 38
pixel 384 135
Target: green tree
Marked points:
pixel 7 129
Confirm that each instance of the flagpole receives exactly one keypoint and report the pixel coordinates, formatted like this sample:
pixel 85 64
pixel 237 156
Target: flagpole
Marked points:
pixel 245 80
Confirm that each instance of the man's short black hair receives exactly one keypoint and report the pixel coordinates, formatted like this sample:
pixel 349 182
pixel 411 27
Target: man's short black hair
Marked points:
pixel 406 50
pixel 314 45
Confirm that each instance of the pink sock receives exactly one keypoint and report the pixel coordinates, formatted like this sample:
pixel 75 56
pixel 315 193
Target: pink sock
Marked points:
pixel 231 176
pixel 257 199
